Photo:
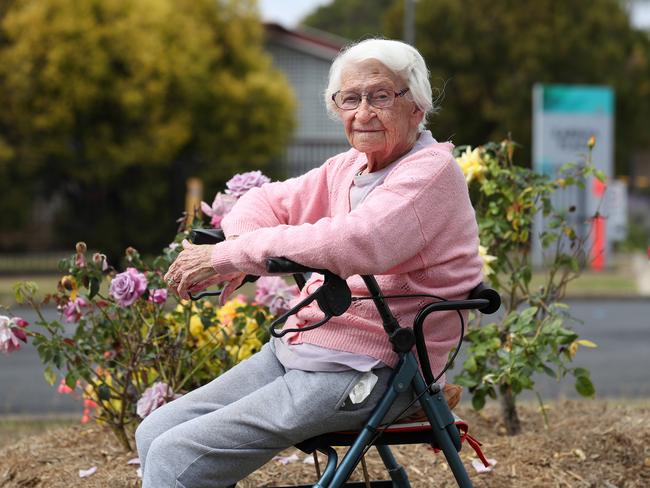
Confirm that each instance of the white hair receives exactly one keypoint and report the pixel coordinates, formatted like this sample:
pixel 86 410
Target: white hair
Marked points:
pixel 401 58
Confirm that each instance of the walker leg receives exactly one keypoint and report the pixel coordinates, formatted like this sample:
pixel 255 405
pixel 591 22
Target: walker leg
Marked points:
pixel 445 433
pixel 395 470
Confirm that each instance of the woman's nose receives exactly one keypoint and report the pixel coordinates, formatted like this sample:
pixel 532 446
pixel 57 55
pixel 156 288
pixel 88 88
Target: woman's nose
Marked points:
pixel 364 111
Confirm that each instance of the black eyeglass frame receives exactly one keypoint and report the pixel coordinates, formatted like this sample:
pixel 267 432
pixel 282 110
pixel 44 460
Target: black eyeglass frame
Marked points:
pixel 361 97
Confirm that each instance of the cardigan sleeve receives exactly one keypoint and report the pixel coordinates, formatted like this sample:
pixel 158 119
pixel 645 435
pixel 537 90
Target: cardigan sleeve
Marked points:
pixel 394 223
pixel 290 202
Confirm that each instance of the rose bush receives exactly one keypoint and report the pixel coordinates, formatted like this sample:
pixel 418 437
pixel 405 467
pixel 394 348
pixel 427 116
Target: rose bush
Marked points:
pixel 532 334
pixel 124 345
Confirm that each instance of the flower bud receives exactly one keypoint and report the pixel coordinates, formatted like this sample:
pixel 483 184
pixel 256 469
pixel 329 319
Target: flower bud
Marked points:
pixel 21 322
pixel 591 142
pixel 81 247
pixel 130 251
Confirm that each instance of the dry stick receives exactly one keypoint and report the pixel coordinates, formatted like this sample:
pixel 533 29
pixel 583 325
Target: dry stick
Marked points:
pixel 543 409
pixel 316 465
pixel 578 477
pixel 365 471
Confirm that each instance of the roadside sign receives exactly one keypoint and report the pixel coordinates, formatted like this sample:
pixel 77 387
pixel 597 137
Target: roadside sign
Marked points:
pixel 565 117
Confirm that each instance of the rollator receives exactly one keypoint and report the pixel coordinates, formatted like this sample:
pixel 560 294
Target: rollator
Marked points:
pixel 436 425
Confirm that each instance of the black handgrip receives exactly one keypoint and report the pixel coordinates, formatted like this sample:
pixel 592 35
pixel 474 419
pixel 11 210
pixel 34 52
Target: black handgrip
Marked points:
pixel 482 291
pixel 286 266
pixel 207 236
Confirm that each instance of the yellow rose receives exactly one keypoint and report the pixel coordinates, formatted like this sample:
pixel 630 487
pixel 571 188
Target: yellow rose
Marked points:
pixel 487 259
pixel 251 325
pixel 196 326
pixel 215 334
pixel 472 164
pixel 229 309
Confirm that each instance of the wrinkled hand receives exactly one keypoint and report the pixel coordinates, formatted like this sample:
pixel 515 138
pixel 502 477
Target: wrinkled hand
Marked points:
pixel 192 271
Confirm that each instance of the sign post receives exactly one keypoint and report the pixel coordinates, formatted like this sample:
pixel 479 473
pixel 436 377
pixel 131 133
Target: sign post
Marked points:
pixel 565 117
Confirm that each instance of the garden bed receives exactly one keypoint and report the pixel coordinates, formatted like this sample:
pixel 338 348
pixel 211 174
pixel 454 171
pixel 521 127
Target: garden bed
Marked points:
pixel 588 443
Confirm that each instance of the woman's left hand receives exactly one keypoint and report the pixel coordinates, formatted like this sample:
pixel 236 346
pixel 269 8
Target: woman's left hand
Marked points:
pixel 192 271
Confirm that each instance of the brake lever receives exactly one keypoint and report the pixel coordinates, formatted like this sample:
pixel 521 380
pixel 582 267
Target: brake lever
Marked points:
pixel 295 309
pixel 333 298
pixel 204 294
pixel 284 332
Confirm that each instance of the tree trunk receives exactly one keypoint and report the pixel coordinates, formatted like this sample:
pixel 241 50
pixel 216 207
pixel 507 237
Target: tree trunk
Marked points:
pixel 509 412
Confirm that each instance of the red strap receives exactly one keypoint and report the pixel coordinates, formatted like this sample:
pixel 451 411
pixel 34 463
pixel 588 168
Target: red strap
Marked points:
pixel 472 441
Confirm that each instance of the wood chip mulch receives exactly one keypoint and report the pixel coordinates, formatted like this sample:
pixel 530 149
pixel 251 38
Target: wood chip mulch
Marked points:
pixel 588 444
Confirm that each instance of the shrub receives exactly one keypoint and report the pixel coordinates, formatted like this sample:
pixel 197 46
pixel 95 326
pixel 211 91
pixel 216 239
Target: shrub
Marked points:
pixel 125 345
pixel 531 335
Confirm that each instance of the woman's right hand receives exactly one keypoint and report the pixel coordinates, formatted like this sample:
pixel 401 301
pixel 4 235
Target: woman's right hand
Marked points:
pixel 232 282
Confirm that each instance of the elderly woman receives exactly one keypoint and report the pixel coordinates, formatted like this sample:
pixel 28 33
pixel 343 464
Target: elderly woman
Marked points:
pixel 395 205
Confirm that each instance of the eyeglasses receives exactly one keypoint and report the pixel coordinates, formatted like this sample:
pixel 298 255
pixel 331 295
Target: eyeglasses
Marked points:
pixel 382 98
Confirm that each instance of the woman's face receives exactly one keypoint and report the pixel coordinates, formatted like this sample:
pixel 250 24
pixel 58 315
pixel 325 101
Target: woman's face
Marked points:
pixel 384 134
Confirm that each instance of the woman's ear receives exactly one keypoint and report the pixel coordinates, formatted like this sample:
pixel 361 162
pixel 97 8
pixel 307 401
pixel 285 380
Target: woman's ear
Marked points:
pixel 417 114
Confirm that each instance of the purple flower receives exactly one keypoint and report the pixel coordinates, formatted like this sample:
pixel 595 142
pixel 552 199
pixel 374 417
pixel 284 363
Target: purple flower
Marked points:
pixel 128 286
pixel 159 295
pixel 153 397
pixel 11 333
pixel 74 309
pixel 274 292
pixel 221 205
pixel 241 183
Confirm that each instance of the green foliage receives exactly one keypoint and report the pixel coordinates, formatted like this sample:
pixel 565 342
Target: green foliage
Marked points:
pixel 124 344
pixel 115 351
pixel 352 19
pixel 485 57
pixel 532 336
pixel 490 54
pixel 638 234
pixel 111 105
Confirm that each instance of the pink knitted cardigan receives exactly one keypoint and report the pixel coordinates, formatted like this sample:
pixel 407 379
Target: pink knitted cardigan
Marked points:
pixel 416 232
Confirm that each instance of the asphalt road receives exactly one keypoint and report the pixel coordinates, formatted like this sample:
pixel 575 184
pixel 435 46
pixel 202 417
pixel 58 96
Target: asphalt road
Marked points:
pixel 619 366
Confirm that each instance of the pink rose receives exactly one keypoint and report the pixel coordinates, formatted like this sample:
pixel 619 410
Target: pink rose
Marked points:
pixel 159 295
pixel 274 292
pixel 74 309
pixel 153 397
pixel 11 333
pixel 221 205
pixel 128 286
pixel 241 183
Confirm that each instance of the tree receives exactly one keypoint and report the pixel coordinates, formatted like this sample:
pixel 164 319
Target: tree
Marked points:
pixel 352 19
pixel 485 57
pixel 113 104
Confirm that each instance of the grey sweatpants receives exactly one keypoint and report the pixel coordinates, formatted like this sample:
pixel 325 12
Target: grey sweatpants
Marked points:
pixel 216 435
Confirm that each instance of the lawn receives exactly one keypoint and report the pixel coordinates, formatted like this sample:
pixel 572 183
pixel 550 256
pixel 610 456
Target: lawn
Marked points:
pixel 615 283
pixel 46 284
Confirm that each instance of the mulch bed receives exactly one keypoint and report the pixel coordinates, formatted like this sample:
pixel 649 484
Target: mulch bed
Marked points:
pixel 588 444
